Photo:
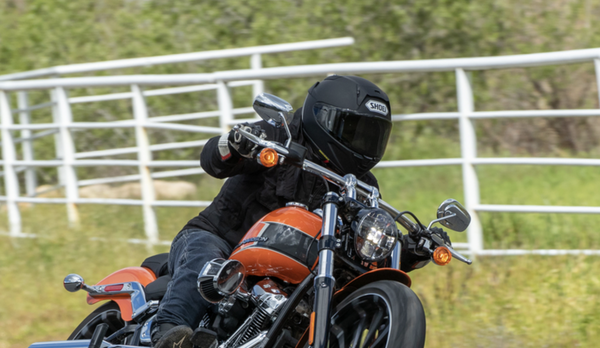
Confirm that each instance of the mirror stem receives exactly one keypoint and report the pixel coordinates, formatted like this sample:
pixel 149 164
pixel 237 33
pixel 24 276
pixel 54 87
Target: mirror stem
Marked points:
pixel 287 130
pixel 440 219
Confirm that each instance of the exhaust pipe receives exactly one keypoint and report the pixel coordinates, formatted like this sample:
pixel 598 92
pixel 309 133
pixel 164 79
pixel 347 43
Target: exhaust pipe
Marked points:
pixel 68 344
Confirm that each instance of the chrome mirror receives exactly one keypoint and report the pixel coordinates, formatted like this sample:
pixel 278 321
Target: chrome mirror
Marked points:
pixel 73 282
pixel 271 108
pixel 274 110
pixel 453 215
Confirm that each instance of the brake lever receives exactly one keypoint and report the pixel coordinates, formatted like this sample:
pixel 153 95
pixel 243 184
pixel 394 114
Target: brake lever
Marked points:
pixel 439 241
pixel 261 142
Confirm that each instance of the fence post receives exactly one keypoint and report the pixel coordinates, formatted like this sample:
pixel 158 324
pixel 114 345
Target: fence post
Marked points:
pixel 68 154
pixel 27 144
pixel 468 147
pixel 259 85
pixel 225 106
pixel 57 137
pixel 597 66
pixel 140 113
pixel 11 182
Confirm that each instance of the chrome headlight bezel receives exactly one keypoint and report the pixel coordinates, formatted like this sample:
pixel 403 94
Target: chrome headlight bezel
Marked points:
pixel 375 234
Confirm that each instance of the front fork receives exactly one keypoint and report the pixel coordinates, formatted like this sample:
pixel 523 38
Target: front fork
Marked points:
pixel 324 281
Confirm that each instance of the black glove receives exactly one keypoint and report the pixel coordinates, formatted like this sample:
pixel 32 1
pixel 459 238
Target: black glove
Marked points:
pixel 409 259
pixel 442 234
pixel 237 145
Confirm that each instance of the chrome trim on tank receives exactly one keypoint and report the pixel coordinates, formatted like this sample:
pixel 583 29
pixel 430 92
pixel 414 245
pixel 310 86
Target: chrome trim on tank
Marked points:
pixel 297 205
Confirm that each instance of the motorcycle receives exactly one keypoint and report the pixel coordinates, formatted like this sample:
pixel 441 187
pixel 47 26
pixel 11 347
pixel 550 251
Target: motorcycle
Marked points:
pixel 326 278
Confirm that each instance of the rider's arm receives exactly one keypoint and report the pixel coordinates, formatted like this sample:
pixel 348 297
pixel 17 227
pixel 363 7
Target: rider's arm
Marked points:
pixel 213 164
pixel 221 161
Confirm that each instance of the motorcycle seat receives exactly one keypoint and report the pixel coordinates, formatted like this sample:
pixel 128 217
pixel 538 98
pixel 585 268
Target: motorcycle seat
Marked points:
pixel 157 289
pixel 158 264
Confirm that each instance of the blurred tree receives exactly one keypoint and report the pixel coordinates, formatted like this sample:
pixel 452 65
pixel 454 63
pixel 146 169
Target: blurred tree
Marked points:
pixel 41 33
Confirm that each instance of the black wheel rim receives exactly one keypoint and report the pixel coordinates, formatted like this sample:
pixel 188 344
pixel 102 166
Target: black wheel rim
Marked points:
pixel 363 322
pixel 110 317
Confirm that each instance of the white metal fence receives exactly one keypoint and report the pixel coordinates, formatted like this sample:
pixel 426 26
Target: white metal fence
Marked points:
pixel 68 160
pixel 62 127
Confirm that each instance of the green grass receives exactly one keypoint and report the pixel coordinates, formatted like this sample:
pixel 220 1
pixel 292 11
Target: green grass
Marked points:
pixel 524 301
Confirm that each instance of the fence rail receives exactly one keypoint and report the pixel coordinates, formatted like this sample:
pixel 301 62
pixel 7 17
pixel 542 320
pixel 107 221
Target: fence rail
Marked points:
pixel 254 52
pixel 221 82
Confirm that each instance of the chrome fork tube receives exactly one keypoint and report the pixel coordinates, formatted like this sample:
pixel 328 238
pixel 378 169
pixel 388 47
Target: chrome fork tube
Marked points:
pixel 396 254
pixel 328 230
pixel 324 281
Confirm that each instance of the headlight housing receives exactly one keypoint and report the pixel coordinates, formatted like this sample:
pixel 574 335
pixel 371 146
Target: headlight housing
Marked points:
pixel 375 234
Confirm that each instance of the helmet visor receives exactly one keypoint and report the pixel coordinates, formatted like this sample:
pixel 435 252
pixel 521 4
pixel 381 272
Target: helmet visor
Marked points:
pixel 363 133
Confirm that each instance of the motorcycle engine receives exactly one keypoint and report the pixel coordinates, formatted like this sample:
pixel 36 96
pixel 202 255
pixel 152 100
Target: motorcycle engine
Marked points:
pixel 243 315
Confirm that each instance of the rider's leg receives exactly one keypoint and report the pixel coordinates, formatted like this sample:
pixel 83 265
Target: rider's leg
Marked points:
pixel 182 304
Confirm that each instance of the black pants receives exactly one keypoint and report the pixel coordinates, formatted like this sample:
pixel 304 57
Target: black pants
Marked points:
pixel 190 251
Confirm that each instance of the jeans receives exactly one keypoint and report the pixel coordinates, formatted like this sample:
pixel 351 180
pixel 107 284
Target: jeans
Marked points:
pixel 190 251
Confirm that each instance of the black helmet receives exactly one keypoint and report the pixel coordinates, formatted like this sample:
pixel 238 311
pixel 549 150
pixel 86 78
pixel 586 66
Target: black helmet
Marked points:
pixel 347 120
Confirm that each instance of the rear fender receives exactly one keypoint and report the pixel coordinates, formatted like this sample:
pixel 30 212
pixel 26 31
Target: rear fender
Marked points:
pixel 140 275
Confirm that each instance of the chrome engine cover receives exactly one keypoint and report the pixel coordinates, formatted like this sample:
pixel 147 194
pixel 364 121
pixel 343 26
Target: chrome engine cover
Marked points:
pixel 268 299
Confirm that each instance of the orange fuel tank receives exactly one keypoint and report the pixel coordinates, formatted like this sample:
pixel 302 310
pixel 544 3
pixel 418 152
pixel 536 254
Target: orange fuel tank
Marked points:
pixel 283 244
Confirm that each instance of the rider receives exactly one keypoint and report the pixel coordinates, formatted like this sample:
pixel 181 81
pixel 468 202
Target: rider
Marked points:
pixel 345 124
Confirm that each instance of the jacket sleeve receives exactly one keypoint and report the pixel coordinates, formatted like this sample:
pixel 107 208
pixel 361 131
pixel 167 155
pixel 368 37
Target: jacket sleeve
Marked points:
pixel 214 165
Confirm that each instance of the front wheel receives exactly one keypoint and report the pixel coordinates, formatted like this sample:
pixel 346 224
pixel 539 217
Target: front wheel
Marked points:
pixel 108 313
pixel 381 314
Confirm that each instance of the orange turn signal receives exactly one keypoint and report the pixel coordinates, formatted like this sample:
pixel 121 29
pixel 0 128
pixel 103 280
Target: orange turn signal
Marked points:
pixel 268 157
pixel 442 256
pixel 311 329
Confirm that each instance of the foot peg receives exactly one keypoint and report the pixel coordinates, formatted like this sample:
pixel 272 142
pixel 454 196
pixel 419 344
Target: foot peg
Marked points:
pixel 98 335
pixel 204 338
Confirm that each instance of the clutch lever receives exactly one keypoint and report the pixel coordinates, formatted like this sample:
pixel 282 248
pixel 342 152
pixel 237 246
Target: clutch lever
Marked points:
pixel 439 241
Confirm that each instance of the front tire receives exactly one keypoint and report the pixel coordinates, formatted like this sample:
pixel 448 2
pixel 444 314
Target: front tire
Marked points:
pixel 108 313
pixel 381 314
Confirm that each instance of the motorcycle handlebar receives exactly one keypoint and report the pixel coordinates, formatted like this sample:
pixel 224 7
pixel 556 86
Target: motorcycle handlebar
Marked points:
pixel 363 189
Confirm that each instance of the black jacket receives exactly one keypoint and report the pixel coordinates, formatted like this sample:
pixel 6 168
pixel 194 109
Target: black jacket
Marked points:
pixel 252 191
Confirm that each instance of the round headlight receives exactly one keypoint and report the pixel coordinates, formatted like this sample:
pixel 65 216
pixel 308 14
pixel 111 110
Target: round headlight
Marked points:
pixel 375 234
